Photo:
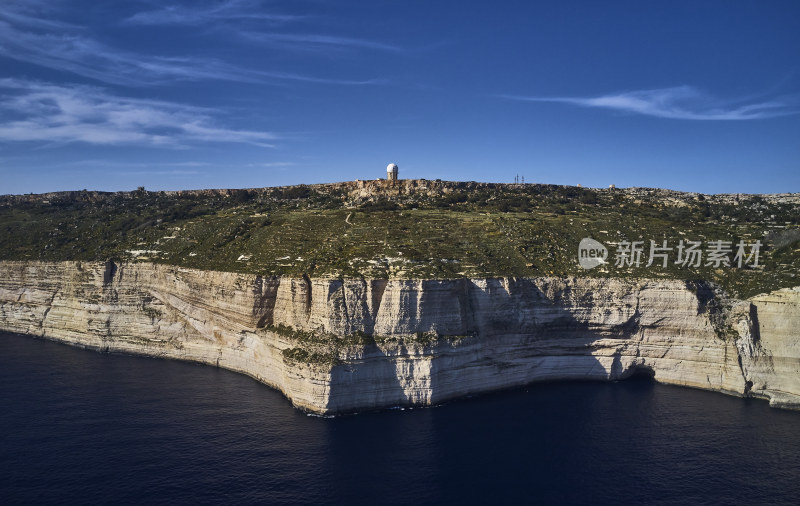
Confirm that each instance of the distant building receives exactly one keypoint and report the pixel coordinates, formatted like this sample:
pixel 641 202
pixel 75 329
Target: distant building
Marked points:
pixel 391 172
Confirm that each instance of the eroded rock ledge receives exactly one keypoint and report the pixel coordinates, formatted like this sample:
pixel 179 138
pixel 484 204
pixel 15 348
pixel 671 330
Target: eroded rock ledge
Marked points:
pixel 334 346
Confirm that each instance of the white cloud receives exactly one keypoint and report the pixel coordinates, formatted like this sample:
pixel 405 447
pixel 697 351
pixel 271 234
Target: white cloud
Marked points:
pixel 682 102
pixel 26 15
pixel 101 163
pixel 173 173
pixel 231 10
pixel 51 113
pixel 28 37
pixel 244 13
pixel 272 165
pixel 310 41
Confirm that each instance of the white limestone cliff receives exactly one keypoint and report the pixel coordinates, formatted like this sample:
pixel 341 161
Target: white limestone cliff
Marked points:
pixel 431 340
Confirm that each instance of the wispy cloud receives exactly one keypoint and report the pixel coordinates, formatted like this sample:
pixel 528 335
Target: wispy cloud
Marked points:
pixel 310 41
pixel 682 102
pixel 248 13
pixel 231 10
pixel 27 14
pixel 51 113
pixel 101 163
pixel 271 164
pixel 77 54
pixel 26 36
pixel 170 173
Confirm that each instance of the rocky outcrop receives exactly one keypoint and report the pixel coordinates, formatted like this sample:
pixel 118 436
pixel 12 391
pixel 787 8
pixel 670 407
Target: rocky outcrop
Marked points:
pixel 768 342
pixel 335 345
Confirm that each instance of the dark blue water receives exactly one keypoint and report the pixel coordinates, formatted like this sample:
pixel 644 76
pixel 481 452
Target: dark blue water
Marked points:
pixel 79 426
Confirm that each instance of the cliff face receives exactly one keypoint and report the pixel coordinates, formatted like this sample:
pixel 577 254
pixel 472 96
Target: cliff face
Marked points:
pixel 420 341
pixel 768 329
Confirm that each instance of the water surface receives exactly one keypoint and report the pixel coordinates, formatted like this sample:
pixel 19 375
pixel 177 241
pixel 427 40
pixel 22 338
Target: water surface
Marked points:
pixel 80 426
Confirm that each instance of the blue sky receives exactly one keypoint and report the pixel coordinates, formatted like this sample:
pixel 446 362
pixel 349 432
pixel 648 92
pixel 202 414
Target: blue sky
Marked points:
pixel 690 95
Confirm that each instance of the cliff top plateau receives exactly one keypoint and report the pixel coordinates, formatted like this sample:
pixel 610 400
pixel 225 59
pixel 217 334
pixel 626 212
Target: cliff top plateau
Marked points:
pixel 747 244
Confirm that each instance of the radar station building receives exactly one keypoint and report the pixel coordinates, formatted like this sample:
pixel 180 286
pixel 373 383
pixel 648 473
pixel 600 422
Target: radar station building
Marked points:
pixel 391 172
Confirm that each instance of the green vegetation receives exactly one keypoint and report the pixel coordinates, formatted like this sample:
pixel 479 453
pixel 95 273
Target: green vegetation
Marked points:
pixel 422 230
pixel 324 349
pixel 303 355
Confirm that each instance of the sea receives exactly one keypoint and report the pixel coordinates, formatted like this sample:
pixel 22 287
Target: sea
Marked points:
pixel 78 426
